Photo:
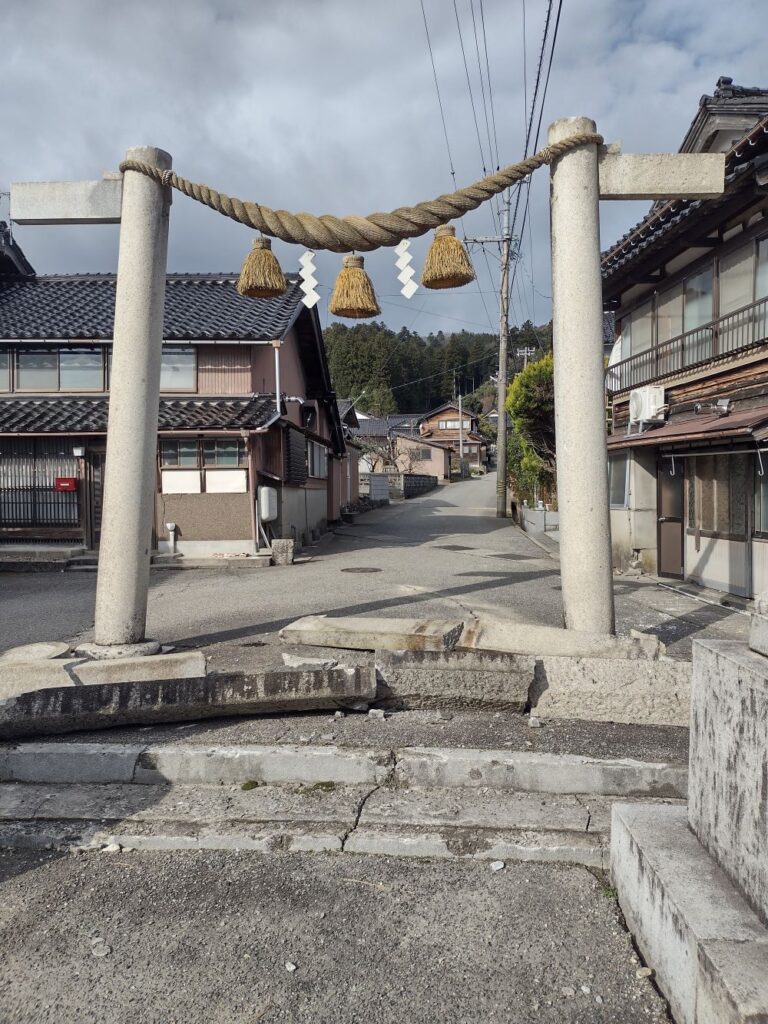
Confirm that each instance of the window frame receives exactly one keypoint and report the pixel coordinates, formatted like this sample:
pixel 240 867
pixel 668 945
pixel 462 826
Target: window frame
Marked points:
pixel 26 350
pixel 695 499
pixel 167 350
pixel 315 449
pixel 80 348
pixel 7 351
pixel 613 458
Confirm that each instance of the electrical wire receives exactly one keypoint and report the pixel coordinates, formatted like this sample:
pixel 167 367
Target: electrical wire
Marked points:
pixel 439 99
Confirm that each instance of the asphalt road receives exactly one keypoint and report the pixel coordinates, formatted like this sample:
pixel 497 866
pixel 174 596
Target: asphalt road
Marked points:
pixel 205 938
pixel 442 555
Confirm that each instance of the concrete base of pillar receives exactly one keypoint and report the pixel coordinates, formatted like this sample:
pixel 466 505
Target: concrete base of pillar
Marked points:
pixel 108 652
pixel 707 947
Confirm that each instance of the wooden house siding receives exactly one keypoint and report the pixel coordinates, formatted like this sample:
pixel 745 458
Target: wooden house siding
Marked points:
pixel 224 369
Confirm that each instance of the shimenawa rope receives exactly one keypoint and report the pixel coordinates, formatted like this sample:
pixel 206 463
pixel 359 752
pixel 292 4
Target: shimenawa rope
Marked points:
pixel 347 234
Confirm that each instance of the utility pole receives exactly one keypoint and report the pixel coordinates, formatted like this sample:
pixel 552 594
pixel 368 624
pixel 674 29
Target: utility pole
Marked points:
pixel 526 353
pixel 461 437
pixel 501 383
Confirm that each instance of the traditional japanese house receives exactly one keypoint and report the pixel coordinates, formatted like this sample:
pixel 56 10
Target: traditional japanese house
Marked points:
pixel 246 404
pixel 688 377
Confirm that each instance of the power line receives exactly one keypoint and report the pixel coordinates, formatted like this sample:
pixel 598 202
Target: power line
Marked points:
pixel 469 87
pixel 439 99
pixel 445 128
pixel 543 100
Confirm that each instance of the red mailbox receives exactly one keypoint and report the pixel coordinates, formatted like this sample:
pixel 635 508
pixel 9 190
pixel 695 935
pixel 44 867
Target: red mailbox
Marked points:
pixel 65 483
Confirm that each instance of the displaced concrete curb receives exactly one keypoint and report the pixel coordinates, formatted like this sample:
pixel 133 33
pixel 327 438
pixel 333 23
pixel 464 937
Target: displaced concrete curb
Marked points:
pixel 369 634
pixel 465 679
pixel 105 698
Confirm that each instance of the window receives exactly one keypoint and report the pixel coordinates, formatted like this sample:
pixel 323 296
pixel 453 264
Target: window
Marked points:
pixel 179 369
pixel 81 369
pixel 618 479
pixel 717 495
pixel 37 369
pixel 697 311
pixel 224 452
pixel 179 453
pixel 441 424
pixel 761 275
pixel 670 313
pixel 641 331
pixel 737 279
pixel 317 460
pixel 422 454
pixel 5 370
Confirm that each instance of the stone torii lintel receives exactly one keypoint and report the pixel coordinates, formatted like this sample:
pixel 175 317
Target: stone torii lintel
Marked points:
pixel 659 175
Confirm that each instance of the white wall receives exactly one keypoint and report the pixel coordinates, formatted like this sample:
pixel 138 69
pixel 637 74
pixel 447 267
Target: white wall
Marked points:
pixel 634 528
pixel 759 566
pixel 719 564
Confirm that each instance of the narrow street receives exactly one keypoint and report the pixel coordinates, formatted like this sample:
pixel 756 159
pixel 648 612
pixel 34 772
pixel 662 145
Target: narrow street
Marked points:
pixel 441 555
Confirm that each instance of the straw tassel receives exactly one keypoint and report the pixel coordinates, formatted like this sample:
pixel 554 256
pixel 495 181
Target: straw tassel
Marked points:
pixel 447 264
pixel 261 276
pixel 353 294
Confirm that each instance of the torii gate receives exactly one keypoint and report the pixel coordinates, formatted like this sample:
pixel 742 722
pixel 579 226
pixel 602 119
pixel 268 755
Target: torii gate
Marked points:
pixel 579 179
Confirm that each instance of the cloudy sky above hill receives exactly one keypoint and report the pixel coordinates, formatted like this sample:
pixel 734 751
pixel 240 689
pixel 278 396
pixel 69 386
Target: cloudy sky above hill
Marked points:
pixel 330 106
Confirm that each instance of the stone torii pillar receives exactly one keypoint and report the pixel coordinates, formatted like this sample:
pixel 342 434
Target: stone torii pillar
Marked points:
pixel 579 179
pixel 141 206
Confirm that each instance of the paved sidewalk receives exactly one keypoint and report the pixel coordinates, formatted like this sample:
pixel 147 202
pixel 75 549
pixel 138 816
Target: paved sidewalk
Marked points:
pixel 205 938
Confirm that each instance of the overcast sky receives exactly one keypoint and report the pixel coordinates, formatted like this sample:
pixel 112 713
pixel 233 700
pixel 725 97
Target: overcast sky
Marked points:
pixel 330 106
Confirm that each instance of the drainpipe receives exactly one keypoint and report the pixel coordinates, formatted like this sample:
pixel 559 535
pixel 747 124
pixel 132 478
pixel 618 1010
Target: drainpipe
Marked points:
pixel 252 490
pixel 276 346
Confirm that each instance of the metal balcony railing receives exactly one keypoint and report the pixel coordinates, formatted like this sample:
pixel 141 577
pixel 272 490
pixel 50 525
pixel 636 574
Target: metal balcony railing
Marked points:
pixel 735 332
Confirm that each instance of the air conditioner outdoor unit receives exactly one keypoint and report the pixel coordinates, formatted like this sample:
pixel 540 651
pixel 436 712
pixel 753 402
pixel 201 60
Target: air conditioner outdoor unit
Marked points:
pixel 646 405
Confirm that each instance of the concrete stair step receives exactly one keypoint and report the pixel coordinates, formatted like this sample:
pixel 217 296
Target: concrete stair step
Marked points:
pixel 484 823
pixel 422 767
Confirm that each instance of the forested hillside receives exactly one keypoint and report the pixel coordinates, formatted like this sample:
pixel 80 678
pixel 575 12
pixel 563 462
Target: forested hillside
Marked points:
pixel 402 371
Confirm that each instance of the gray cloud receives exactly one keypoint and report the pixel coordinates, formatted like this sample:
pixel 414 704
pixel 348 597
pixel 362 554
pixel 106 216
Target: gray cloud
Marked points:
pixel 329 105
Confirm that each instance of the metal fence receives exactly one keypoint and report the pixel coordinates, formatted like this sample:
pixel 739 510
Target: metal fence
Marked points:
pixel 28 469
pixel 735 332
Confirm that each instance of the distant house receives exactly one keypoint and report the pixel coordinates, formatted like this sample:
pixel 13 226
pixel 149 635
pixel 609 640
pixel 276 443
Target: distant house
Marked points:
pixel 223 433
pixel 444 426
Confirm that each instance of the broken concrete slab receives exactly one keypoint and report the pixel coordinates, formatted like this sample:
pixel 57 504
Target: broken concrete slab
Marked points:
pixel 218 692
pixel 467 679
pixel 631 691
pixel 691 924
pixel 362 633
pixel 302 661
pixel 36 652
pixel 505 637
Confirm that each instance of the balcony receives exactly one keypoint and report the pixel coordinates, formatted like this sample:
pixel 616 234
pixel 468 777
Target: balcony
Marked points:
pixel 736 332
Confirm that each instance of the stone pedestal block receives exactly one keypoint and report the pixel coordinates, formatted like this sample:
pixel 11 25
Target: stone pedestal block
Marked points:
pixel 282 552
pixel 728 789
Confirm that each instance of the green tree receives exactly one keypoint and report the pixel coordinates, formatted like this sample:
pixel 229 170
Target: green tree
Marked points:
pixel 532 451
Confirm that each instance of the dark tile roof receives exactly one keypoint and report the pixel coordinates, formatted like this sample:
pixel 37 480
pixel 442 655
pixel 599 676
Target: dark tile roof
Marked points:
pixel 373 426
pixel 88 415
pixel 13 262
pixel 197 306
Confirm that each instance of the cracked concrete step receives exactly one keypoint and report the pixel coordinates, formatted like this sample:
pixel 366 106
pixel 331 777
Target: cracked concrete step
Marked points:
pixel 458 767
pixel 479 822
